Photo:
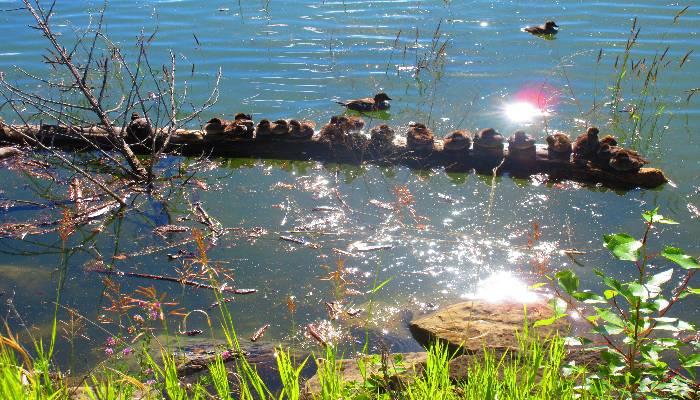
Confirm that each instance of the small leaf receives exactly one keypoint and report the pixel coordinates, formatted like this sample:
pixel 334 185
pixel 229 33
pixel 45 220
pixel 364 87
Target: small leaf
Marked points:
pixel 654 217
pixel 546 322
pixel 568 281
pixel 588 297
pixel 559 306
pixel 623 246
pixel 610 316
pixel 679 257
pixel 692 361
pixel 694 291
pixel 661 278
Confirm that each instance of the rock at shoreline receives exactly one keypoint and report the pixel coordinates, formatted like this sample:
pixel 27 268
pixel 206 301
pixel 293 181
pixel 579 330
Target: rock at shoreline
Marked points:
pixel 473 325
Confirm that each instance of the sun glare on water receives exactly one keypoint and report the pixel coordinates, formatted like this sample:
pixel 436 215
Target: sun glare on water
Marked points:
pixel 522 111
pixel 503 286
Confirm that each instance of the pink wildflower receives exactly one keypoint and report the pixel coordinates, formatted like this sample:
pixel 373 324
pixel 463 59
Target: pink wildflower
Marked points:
pixel 109 351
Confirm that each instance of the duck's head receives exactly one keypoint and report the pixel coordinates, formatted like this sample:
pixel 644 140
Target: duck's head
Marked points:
pixel 264 124
pixel 135 116
pixel 381 96
pixel 338 119
pixel 520 139
pixel 592 133
pixel 295 125
pixel 550 25
pixel 609 140
pixel 240 116
pixel 213 121
pixel 281 123
pixel 559 140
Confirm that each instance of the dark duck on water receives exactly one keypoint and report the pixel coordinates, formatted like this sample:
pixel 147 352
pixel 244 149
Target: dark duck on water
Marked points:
pixel 548 28
pixel 378 103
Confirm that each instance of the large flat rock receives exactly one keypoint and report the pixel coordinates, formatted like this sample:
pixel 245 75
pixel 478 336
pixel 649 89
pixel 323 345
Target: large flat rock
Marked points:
pixel 473 325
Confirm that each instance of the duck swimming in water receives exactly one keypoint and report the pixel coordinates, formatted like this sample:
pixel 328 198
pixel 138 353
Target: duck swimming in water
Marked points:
pixel 419 137
pixel 378 103
pixel 457 141
pixel 548 28
pixel 586 146
pixel 488 142
pixel 558 146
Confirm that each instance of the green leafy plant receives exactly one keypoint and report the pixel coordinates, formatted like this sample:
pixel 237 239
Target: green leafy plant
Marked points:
pixel 646 352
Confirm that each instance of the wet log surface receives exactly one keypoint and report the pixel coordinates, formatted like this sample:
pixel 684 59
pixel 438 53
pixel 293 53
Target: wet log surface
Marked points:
pixel 196 143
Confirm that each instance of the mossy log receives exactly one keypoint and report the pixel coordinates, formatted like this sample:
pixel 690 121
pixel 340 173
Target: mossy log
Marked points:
pixel 196 143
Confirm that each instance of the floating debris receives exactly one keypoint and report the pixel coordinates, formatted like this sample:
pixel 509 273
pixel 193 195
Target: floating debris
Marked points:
pixel 363 247
pixel 193 332
pixel 313 332
pixel 326 209
pixel 382 204
pixel 218 303
pixel 353 312
pixel 335 310
pixel 182 253
pixel 163 230
pixel 293 239
pixel 259 333
pixel 446 198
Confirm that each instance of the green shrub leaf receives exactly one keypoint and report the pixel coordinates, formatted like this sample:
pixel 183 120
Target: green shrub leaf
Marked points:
pixel 661 278
pixel 654 217
pixel 568 281
pixel 623 246
pixel 610 316
pixel 679 257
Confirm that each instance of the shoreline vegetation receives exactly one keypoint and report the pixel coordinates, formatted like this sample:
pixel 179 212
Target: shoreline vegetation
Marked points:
pixel 638 347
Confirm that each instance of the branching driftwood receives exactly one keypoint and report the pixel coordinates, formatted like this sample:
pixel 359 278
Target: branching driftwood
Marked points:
pixel 91 71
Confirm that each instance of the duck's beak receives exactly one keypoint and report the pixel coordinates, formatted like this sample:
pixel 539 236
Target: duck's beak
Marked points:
pixel 388 98
pixel 556 26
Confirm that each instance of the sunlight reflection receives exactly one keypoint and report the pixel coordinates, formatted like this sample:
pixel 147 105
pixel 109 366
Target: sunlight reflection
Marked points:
pixel 502 286
pixel 533 100
pixel 522 112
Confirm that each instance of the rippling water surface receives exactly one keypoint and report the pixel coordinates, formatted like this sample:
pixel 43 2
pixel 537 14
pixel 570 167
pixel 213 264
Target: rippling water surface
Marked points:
pixel 463 234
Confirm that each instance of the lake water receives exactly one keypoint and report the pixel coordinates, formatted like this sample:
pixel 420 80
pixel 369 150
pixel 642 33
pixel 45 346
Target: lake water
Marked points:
pixel 468 235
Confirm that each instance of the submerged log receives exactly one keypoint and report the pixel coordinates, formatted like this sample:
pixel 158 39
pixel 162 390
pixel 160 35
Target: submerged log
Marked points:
pixel 197 143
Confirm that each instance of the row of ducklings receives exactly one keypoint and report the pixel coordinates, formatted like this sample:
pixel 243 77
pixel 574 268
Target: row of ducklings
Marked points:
pixel 604 153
